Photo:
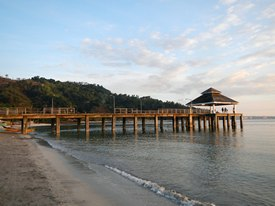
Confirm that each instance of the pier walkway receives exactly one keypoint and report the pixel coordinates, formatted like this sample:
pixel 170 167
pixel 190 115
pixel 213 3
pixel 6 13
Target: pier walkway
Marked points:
pixel 184 119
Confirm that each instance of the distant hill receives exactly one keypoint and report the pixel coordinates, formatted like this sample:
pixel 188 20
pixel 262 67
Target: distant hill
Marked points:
pixel 38 92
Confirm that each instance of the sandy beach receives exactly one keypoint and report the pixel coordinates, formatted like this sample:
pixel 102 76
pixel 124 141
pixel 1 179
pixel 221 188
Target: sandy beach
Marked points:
pixel 33 174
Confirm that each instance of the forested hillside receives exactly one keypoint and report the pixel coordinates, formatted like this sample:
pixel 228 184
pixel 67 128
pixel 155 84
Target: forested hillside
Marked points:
pixel 39 92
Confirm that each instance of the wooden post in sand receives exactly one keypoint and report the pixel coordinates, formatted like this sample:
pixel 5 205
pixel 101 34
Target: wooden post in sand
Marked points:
pixel 24 125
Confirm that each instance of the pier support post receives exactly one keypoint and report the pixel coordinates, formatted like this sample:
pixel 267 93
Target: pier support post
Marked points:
pixel 103 124
pixel 223 122
pixel 161 124
pixel 204 122
pixel 87 124
pixel 52 124
pixel 182 124
pixel 177 124
pixel 135 124
pixel 217 118
pixel 156 122
pixel 228 121
pixel 57 125
pixel 233 118
pixel 199 123
pixel 241 121
pixel 78 124
pixel 190 122
pixel 113 123
pixel 143 124
pixel 212 122
pixel 24 125
pixel 124 124
pixel 174 120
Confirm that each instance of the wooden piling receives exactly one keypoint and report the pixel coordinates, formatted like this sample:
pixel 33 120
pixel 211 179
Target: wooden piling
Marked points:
pixel 124 124
pixel 182 123
pixel 223 123
pixel 52 124
pixel 177 124
pixel 78 124
pixel 87 124
pixel 204 122
pixel 143 124
pixel 161 124
pixel 199 123
pixel 113 123
pixel 57 125
pixel 190 121
pixel 174 120
pixel 241 121
pixel 228 121
pixel 217 122
pixel 135 123
pixel 103 124
pixel 233 118
pixel 156 123
pixel 24 125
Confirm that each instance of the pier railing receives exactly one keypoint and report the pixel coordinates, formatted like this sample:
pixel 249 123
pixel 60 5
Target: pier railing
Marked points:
pixel 71 110
pixel 30 110
pixel 161 111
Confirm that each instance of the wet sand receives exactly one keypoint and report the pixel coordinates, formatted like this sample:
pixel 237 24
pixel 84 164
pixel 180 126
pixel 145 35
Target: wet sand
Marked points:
pixel 33 174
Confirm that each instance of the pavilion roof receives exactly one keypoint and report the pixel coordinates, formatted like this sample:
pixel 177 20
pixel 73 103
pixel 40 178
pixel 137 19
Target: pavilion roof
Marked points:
pixel 211 97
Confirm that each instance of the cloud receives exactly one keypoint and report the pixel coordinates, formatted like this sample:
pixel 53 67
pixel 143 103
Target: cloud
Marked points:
pixel 228 2
pixel 174 43
pixel 269 12
pixel 233 53
pixel 133 52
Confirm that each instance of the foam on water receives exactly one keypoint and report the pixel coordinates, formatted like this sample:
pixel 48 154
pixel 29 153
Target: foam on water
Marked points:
pixel 160 190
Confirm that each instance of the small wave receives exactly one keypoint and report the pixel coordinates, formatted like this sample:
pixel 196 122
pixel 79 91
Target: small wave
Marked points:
pixel 160 190
pixel 171 195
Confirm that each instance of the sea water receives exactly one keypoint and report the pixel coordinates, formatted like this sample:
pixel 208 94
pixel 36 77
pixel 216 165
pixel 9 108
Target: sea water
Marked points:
pixel 225 167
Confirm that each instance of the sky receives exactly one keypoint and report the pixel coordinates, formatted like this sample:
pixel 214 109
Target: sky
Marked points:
pixel 167 49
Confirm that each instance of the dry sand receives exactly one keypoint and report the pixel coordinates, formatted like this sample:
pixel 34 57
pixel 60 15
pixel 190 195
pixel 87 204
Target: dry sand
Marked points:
pixel 31 174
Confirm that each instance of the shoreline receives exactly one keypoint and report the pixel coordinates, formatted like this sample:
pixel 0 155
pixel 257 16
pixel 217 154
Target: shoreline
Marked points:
pixel 36 174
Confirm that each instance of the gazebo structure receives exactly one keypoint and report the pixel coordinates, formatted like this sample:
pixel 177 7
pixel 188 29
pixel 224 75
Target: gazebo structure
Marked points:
pixel 212 97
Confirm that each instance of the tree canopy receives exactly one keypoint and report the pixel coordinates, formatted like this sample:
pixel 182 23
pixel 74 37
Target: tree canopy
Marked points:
pixel 39 92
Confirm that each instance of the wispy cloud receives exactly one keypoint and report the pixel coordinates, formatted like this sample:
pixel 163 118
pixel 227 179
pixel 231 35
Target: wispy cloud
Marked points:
pixel 134 52
pixel 230 53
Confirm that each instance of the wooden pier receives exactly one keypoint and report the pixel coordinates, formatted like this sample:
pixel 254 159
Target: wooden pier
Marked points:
pixel 180 120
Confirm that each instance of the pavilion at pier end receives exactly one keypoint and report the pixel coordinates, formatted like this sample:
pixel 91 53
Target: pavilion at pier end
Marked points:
pixel 218 105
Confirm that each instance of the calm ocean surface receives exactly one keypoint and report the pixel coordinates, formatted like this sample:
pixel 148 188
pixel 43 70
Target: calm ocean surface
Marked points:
pixel 223 168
